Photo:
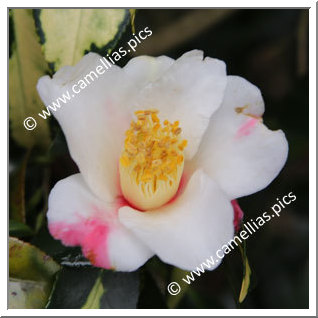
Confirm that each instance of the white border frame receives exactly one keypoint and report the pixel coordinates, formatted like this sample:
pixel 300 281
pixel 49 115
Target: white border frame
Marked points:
pixel 312 164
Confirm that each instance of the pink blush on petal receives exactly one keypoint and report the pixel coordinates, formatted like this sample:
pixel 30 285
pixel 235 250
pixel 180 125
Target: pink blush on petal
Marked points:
pixel 69 234
pixel 91 235
pixel 247 128
pixel 95 243
pixel 238 215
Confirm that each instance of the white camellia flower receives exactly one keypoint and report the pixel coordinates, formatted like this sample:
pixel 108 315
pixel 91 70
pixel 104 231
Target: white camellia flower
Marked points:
pixel 163 146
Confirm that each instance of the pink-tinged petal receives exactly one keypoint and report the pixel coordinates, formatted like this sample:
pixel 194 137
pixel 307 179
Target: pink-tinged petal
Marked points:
pixel 240 153
pixel 91 234
pixel 247 128
pixel 238 215
pixel 188 230
pixel 78 218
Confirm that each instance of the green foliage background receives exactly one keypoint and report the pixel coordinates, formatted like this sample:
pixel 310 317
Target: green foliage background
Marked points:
pixel 267 47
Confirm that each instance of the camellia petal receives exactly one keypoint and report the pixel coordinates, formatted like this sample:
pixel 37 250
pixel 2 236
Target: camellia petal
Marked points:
pixel 145 69
pixel 189 91
pixel 77 217
pixel 189 230
pixel 103 110
pixel 240 153
pixel 94 121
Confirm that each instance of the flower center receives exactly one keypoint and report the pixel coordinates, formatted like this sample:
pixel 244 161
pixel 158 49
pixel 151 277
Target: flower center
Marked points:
pixel 152 161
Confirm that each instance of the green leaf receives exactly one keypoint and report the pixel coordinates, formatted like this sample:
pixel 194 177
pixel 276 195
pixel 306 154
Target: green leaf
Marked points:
pixel 95 288
pixel 67 34
pixel 19 229
pixel 121 290
pixel 31 275
pixel 246 276
pixel 27 294
pixel 93 299
pixel 28 262
pixel 17 191
pixel 132 19
pixel 176 276
pixel 151 295
pixel 73 287
pixel 26 66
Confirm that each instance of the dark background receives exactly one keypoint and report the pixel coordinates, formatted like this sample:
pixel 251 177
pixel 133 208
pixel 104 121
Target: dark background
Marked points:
pixel 270 49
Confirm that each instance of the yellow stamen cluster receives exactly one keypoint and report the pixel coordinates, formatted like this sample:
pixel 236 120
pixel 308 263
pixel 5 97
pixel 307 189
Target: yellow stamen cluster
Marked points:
pixel 152 159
